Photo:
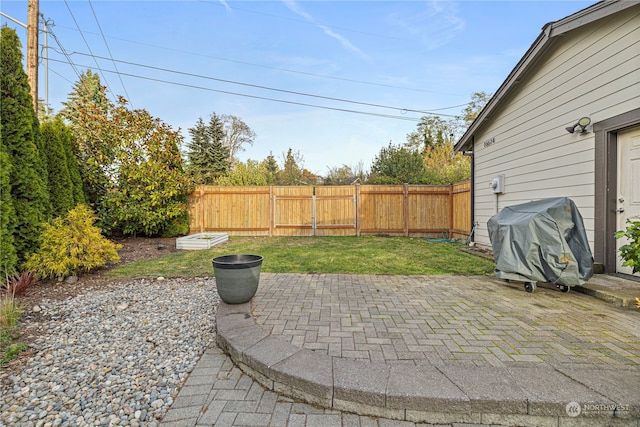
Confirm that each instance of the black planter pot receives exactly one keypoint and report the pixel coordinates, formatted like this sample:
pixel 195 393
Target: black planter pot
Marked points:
pixel 237 277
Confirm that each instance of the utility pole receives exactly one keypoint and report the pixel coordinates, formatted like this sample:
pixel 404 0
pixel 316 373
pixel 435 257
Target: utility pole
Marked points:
pixel 32 50
pixel 45 50
pixel 46 66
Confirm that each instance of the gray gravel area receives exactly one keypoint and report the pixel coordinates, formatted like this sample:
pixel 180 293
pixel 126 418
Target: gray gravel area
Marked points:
pixel 112 357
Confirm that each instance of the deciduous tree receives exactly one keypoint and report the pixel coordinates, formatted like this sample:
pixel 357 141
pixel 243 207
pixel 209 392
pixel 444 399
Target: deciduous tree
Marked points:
pixel 148 190
pixel 346 175
pixel 434 138
pixel 132 167
pixel 251 172
pixel 309 177
pixel 445 168
pixel 432 131
pixel 398 165
pixel 339 176
pixel 237 134
pixel 471 111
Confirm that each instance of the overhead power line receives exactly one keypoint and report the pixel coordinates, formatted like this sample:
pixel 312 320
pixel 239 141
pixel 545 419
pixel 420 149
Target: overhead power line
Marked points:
pixel 87 44
pixel 305 73
pixel 61 76
pixel 389 116
pixel 109 50
pixel 368 104
pixel 63 51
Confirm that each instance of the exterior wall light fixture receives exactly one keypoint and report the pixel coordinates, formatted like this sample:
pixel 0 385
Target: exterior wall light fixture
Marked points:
pixel 582 124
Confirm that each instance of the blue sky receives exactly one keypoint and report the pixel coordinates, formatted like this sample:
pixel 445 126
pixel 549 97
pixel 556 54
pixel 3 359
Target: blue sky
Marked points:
pixel 182 60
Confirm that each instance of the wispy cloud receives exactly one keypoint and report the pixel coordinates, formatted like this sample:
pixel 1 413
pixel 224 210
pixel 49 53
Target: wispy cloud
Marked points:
pixel 435 26
pixel 226 5
pixel 297 9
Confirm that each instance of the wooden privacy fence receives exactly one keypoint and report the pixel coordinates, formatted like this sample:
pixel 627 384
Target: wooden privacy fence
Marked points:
pixel 398 210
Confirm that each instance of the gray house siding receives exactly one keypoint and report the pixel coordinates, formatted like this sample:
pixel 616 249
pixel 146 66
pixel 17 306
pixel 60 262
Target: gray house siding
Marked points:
pixel 586 65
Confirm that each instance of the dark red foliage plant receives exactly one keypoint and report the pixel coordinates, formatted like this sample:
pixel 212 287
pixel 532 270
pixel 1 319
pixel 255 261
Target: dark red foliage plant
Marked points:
pixel 20 282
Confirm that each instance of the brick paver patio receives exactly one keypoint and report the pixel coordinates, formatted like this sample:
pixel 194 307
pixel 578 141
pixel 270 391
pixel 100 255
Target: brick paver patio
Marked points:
pixel 415 351
pixel 445 320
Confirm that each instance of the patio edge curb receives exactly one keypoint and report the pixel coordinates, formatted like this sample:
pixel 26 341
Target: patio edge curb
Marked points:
pixel 410 393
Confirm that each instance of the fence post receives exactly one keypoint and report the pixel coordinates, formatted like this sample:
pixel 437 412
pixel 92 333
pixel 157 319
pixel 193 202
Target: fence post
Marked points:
pixel 271 208
pixel 450 211
pixel 314 225
pixel 202 209
pixel 405 207
pixel 358 210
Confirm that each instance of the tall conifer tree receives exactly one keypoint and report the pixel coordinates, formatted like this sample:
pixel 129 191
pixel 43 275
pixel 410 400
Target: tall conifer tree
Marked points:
pixel 291 173
pixel 67 139
pixel 86 108
pixel 19 137
pixel 208 157
pixel 87 93
pixel 8 257
pixel 60 185
pixel 272 168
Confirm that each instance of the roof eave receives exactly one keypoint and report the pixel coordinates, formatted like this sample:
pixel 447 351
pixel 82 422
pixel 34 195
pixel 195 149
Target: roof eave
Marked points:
pixel 512 79
pixel 543 42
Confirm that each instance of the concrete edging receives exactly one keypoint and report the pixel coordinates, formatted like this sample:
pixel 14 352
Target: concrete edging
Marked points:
pixel 527 396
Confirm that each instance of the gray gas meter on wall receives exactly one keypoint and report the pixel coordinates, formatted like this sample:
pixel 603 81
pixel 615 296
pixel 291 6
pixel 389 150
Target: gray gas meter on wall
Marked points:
pixel 497 184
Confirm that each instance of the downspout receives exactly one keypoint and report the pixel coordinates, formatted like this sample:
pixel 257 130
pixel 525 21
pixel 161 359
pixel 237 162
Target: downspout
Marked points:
pixel 473 191
pixel 470 154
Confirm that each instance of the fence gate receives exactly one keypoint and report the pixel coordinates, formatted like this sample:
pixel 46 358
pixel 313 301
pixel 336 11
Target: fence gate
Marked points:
pixel 315 211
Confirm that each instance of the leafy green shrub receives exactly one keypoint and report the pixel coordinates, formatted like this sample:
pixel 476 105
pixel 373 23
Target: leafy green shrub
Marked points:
pixel 630 252
pixel 9 351
pixel 132 168
pixel 177 227
pixel 72 245
pixel 12 352
pixel 7 335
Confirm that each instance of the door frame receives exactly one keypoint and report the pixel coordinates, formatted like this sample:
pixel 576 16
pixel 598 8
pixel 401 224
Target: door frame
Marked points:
pixel 606 185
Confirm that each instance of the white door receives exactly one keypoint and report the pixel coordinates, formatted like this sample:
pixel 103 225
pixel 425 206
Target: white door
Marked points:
pixel 628 185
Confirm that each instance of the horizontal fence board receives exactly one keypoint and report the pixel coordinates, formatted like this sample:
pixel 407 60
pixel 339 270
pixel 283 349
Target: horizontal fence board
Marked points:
pixel 382 209
pixel 349 210
pixel 293 207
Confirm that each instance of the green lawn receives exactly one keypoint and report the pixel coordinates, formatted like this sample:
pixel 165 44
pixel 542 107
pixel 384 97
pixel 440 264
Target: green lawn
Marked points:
pixel 355 255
